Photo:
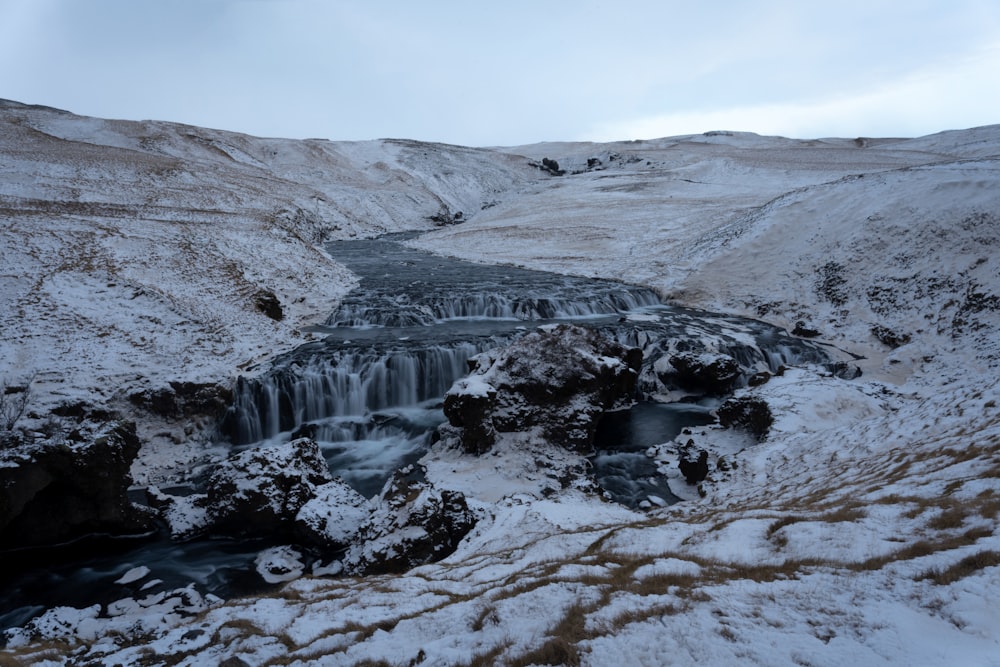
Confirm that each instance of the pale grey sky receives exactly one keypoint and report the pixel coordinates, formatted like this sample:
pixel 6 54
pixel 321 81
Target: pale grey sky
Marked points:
pixel 511 72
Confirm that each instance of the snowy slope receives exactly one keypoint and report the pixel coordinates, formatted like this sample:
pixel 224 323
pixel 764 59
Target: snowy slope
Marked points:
pixel 132 254
pixel 863 530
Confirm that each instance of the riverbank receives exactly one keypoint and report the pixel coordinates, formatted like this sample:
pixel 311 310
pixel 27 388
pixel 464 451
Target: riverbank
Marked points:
pixel 862 529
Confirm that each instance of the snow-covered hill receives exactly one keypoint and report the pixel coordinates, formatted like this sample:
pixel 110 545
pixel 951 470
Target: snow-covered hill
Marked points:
pixel 133 255
pixel 863 530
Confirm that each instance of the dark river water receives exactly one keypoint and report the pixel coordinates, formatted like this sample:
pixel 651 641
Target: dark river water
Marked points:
pixel 371 391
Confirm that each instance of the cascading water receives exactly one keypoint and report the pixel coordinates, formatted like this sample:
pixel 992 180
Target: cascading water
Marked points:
pixel 335 380
pixel 396 345
pixel 370 394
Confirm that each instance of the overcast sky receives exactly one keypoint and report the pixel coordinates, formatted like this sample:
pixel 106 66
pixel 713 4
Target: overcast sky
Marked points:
pixel 509 72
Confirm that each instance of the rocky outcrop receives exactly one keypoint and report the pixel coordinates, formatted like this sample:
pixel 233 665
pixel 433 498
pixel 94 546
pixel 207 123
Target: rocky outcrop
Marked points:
pixel 57 493
pixel 185 399
pixel 693 466
pixel 256 492
pixel 267 303
pixel 890 337
pixel 711 373
pixel 469 406
pixel 260 491
pixel 558 380
pixel 333 516
pixel 413 522
pixel 750 413
pixel 286 492
pixel 805 331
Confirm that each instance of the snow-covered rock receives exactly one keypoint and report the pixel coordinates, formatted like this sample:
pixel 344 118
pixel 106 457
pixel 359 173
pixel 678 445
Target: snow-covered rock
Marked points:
pixel 862 530
pixel 558 379
pixel 274 491
pixel 710 373
pixel 55 494
pixel 279 564
pixel 412 523
pixel 261 490
pixel 333 516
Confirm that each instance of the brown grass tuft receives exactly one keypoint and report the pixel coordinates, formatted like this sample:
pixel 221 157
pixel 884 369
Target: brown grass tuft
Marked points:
pixel 963 568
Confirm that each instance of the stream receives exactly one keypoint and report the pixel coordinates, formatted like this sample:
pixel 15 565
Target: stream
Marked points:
pixel 370 393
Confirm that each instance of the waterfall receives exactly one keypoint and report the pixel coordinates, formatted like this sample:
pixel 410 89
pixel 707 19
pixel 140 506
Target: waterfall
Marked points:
pixel 402 311
pixel 351 382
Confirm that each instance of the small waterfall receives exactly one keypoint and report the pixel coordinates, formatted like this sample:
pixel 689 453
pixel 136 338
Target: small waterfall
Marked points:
pixel 351 382
pixel 425 310
pixel 368 393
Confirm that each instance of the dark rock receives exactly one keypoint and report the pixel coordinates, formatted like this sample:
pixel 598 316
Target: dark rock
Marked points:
pixel 267 302
pixel 757 379
pixel 55 494
pixel 559 380
pixel 185 399
pixel 749 413
pixel 413 523
pixel 694 470
pixel 305 431
pixel 445 217
pixel 469 406
pixel 83 411
pixel 260 491
pixel 801 329
pixel 844 370
pixel 889 337
pixel 712 373
pixel 552 167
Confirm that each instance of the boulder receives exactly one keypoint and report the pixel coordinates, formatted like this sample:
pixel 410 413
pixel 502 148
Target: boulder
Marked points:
pixel 805 331
pixel 333 516
pixel 279 564
pixel 844 370
pixel 267 303
pixel 56 493
pixel 558 380
pixel 694 469
pixel 260 491
pixel 413 522
pixel 469 406
pixel 709 372
pixel 889 337
pixel 750 413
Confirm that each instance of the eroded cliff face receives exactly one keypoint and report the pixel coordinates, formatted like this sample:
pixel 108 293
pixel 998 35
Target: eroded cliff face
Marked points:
pixel 55 494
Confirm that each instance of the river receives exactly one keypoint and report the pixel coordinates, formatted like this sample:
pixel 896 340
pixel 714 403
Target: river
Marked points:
pixel 370 390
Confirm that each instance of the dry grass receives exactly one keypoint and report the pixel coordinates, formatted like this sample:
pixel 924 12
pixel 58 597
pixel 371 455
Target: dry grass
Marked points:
pixel 35 654
pixel 963 568
pixel 555 651
pixel 950 518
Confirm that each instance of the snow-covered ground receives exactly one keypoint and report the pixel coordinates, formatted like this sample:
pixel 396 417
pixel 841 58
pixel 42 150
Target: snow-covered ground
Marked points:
pixel 862 530
pixel 132 254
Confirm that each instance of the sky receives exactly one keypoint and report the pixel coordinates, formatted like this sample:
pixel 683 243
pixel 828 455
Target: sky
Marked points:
pixel 513 72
